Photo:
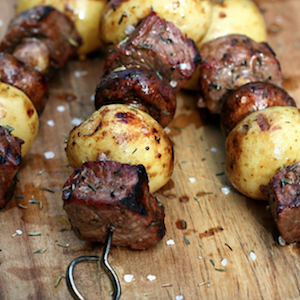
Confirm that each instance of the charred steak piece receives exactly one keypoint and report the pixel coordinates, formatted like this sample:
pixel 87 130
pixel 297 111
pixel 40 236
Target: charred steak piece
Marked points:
pixel 160 46
pixel 31 82
pixel 232 61
pixel 10 160
pixel 284 200
pixel 141 88
pixel 49 25
pixel 106 194
pixel 248 98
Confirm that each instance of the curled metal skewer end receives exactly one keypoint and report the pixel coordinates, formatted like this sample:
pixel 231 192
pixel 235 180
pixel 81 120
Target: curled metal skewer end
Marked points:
pixel 104 262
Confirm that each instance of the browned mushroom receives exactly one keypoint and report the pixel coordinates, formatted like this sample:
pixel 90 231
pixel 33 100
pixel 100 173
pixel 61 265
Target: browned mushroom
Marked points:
pixel 249 98
pixel 141 88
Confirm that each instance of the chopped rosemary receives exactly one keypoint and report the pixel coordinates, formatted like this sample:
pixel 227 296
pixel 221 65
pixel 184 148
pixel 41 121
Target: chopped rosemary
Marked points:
pixel 220 174
pixel 183 224
pixel 118 69
pixel 228 246
pixel 0 248
pixel 44 188
pixel 34 233
pixel 9 128
pixel 186 240
pixel 63 245
pixel 134 150
pixel 58 280
pixel 22 206
pixel 264 94
pixel 165 112
pixel 177 128
pixel 221 270
pixel 72 42
pixel 159 76
pixel 41 172
pixel 285 181
pixel 196 199
pixel 18 196
pixel 212 262
pixel 41 251
pixel 201 246
pixel 91 186
pixel 203 283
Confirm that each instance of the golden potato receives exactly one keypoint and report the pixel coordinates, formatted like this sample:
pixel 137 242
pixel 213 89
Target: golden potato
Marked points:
pixel 192 17
pixel 85 14
pixel 125 135
pixel 17 111
pixel 232 17
pixel 259 145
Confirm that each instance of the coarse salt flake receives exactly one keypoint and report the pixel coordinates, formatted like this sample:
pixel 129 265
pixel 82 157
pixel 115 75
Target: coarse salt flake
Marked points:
pixel 281 241
pixel 19 232
pixel 213 149
pixel 76 121
pixel 92 98
pixel 252 255
pixel 170 242
pixel 179 297
pixel 167 130
pixel 60 108
pixel 78 74
pixel 225 190
pixel 199 257
pixel 129 29
pixel 224 262
pixel 192 179
pixel 128 277
pixel 49 155
pixel 151 277
pixel 173 83
pixel 50 123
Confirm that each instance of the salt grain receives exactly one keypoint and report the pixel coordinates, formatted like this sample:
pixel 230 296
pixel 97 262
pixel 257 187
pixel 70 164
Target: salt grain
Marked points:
pixel 252 255
pixel 224 262
pixel 213 149
pixel 167 130
pixel 49 155
pixel 179 297
pixel 151 277
pixel 225 190
pixel 173 83
pixel 200 257
pixel 50 123
pixel 192 179
pixel 78 74
pixel 281 241
pixel 76 121
pixel 128 277
pixel 19 232
pixel 60 108
pixel 129 29
pixel 170 242
pixel 92 98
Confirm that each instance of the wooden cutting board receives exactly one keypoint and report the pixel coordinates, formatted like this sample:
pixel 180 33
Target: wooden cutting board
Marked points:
pixel 218 226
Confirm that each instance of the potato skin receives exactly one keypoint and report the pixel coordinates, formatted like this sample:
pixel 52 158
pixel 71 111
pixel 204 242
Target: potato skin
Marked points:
pixel 259 145
pixel 192 17
pixel 232 17
pixel 248 98
pixel 84 13
pixel 17 111
pixel 125 135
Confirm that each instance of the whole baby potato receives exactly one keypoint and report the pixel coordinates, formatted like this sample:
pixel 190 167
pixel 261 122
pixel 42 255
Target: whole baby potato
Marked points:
pixel 232 17
pixel 18 112
pixel 84 13
pixel 259 145
pixel 190 16
pixel 125 135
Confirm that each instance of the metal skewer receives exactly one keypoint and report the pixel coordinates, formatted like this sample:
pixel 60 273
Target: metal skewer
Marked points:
pixel 104 263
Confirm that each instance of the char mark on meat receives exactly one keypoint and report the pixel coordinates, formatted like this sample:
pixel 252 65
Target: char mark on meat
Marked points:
pixel 10 161
pixel 160 46
pixel 106 194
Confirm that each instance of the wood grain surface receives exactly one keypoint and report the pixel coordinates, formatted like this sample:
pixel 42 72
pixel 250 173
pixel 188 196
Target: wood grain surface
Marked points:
pixel 218 226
